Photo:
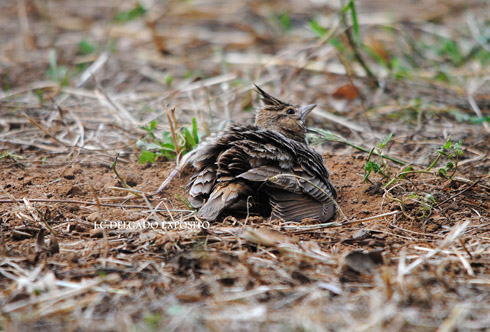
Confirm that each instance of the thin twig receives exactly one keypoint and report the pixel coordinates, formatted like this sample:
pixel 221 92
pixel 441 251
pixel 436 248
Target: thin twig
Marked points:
pixel 172 131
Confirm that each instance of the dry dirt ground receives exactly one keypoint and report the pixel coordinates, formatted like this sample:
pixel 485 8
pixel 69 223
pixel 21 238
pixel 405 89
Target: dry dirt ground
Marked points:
pixel 237 273
pixel 82 251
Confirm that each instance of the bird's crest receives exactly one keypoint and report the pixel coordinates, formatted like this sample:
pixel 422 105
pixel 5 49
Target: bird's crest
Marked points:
pixel 267 99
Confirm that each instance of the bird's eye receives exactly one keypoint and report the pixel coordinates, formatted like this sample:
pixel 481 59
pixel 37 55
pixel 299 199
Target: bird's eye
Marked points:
pixel 290 111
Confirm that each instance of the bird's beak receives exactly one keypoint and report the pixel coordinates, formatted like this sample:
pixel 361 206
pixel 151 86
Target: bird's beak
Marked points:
pixel 305 110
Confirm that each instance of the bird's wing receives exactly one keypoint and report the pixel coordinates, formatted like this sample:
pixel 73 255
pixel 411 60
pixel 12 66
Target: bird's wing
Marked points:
pixel 201 185
pixel 295 207
pixel 224 195
pixel 265 156
pixel 312 168
pixel 303 173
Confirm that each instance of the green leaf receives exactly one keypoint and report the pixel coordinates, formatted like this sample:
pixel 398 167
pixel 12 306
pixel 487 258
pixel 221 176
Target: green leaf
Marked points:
pixel 6 82
pixel 170 155
pixel 129 15
pixel 147 156
pixel 442 172
pixel 153 147
pixel 153 125
pixel 167 147
pixel 153 321
pixel 285 21
pixel 399 69
pixel 460 116
pixel 376 56
pixel 412 195
pixel 457 145
pixel 194 130
pixel 355 24
pixel 429 198
pixel 478 120
pixel 384 141
pixel 6 154
pixel 190 143
pixel 140 144
pixel 371 167
pixel 442 76
pixel 85 47
pixel 40 95
pixel 407 169
pixel 167 139
pixel 169 79
pixel 317 28
pixel 335 42
pixel 452 50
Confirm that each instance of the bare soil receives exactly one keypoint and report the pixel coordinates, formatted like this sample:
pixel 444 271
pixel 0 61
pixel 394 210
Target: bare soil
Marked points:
pixel 210 271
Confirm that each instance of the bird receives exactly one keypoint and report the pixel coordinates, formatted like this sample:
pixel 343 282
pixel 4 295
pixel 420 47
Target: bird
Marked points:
pixel 266 168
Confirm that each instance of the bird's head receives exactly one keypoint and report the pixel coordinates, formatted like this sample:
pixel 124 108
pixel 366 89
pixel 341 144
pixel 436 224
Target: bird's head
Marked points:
pixel 285 118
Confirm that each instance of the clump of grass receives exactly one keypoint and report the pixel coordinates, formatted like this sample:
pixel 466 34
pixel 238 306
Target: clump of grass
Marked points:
pixel 172 143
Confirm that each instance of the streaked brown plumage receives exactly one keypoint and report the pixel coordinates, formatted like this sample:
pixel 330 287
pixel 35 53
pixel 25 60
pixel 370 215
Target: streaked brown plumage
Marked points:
pixel 268 167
